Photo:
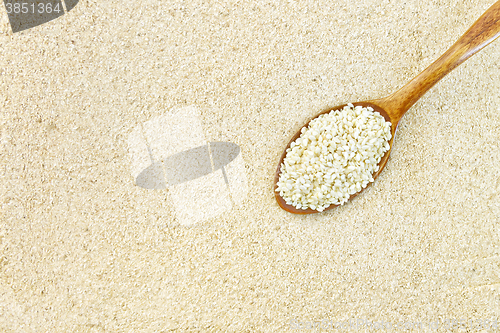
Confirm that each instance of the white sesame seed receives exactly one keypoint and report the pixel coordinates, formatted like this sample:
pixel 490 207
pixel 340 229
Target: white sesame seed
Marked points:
pixel 341 149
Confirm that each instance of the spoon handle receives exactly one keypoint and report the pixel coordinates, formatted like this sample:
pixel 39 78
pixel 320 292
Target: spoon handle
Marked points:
pixel 485 30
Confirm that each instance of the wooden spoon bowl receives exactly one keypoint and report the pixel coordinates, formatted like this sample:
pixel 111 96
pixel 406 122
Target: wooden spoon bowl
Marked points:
pixel 485 30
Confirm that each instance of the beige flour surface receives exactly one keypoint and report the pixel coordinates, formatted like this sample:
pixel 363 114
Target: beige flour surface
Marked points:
pixel 83 249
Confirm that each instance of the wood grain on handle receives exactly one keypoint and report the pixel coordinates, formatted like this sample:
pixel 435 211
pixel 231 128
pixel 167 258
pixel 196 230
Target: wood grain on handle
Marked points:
pixel 481 33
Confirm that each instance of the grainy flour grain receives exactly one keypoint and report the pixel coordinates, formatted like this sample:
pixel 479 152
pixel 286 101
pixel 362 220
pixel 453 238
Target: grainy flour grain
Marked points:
pixel 334 157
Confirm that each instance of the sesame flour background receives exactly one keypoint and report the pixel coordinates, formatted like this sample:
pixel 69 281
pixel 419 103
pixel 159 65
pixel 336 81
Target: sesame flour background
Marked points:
pixel 84 249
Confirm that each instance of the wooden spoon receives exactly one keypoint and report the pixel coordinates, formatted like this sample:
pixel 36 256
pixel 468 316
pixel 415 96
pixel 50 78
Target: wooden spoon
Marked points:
pixel 392 108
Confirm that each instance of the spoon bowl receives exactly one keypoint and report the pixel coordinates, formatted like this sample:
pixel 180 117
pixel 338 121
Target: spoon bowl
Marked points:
pixel 282 203
pixel 485 30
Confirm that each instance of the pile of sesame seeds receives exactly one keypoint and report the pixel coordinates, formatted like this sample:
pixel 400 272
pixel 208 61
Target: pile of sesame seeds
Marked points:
pixel 334 158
